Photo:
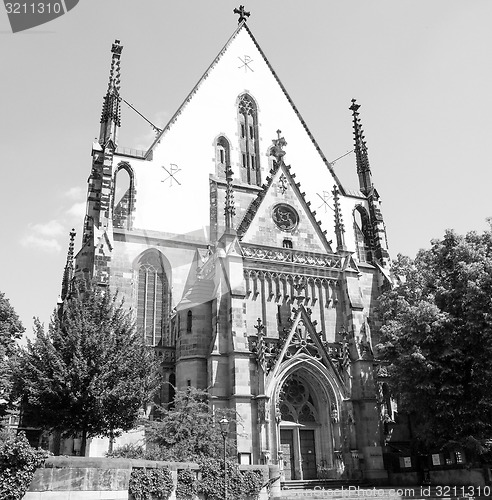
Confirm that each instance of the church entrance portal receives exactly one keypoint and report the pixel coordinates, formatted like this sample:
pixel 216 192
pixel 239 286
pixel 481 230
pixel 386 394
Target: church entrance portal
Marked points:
pixel 301 429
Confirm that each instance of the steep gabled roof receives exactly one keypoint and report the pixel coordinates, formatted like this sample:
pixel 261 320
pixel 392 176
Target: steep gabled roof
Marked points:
pixel 243 26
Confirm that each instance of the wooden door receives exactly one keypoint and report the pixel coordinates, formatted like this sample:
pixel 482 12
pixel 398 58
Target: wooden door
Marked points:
pixel 308 454
pixel 287 448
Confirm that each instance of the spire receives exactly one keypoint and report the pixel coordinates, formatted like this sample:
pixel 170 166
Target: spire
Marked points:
pixel 230 210
pixel 362 158
pixel 110 117
pixel 243 15
pixel 68 272
pixel 339 226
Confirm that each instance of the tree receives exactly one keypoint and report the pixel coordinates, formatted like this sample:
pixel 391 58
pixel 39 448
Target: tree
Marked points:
pixel 91 373
pixel 11 331
pixel 189 431
pixel 437 338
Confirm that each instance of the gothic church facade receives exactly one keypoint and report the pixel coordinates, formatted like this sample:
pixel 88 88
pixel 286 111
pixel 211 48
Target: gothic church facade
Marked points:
pixel 241 287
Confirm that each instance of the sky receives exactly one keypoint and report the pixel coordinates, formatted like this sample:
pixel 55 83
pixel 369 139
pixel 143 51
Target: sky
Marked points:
pixel 421 71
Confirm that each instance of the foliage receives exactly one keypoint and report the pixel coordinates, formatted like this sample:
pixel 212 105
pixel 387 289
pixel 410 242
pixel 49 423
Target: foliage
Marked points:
pixel 149 484
pixel 11 330
pixel 91 373
pixel 188 430
pixel 127 451
pixel 241 485
pixel 18 462
pixel 437 337
pixel 187 487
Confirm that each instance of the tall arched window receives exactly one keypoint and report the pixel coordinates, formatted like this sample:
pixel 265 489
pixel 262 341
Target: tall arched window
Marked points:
pixel 123 197
pixel 189 321
pixel 222 156
pixel 362 229
pixel 248 140
pixel 153 299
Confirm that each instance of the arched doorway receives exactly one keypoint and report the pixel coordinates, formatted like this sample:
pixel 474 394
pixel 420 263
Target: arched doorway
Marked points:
pixel 305 430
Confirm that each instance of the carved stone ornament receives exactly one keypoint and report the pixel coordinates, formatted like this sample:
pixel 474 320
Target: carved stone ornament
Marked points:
pixel 285 217
pixel 283 184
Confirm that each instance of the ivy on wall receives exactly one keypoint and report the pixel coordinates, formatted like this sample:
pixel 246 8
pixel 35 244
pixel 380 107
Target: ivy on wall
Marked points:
pixel 209 485
pixel 150 484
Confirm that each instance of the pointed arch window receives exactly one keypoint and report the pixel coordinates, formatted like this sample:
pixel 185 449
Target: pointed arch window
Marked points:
pixel 123 196
pixel 248 140
pixel 362 229
pixel 189 321
pixel 296 401
pixel 222 156
pixel 153 304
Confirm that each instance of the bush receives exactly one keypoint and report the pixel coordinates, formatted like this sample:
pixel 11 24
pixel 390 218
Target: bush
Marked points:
pixel 241 485
pixel 127 451
pixel 150 484
pixel 187 485
pixel 18 462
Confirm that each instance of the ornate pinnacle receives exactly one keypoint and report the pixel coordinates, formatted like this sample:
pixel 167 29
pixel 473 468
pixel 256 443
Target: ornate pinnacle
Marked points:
pixel 68 272
pixel 243 15
pixel 261 351
pixel 230 210
pixel 111 112
pixel 362 158
pixel 278 144
pixel 339 226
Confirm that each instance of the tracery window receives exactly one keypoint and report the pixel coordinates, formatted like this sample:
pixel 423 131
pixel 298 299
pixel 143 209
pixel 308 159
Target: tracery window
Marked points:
pixel 153 299
pixel 296 401
pixel 248 140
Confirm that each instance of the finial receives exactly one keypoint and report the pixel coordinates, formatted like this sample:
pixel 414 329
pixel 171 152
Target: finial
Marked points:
pixel 259 327
pixel 243 15
pixel 230 210
pixel 362 158
pixel 278 144
pixel 339 226
pixel 111 113
pixel 68 272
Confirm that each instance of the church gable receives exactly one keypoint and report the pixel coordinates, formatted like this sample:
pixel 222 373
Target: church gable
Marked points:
pixel 280 216
pixel 228 119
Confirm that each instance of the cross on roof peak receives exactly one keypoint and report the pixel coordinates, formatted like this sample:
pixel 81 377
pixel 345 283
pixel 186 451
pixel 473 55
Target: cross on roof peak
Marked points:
pixel 243 15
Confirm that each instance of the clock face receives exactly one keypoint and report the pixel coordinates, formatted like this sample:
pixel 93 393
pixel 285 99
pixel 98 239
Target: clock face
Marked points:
pixel 285 217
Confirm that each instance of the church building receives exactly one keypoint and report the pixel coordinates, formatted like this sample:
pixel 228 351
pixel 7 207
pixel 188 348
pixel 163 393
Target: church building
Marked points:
pixel 241 287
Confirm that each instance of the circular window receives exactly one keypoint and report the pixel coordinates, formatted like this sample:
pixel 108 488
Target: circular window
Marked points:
pixel 285 217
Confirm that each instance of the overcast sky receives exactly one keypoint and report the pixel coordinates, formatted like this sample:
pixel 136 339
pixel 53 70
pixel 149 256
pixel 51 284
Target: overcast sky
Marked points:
pixel 421 71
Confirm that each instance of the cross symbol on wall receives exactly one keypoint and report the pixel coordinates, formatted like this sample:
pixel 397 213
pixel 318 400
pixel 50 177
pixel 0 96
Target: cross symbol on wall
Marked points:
pixel 326 196
pixel 245 64
pixel 173 170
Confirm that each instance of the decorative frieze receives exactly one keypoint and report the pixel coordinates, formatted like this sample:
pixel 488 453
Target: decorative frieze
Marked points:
pixel 289 287
pixel 292 256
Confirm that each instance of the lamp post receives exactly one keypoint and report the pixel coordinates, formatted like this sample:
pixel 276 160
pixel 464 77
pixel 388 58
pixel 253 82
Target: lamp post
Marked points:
pixel 224 430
